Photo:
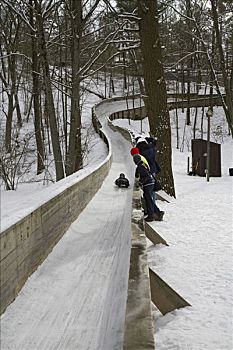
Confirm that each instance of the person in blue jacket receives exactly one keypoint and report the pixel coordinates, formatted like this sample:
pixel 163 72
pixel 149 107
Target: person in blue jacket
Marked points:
pixel 146 181
pixel 147 148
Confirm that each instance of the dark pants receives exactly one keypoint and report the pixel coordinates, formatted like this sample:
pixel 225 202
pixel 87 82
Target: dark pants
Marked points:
pixel 150 204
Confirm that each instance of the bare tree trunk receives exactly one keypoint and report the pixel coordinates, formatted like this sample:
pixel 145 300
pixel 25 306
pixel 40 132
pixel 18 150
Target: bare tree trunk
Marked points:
pixel 9 118
pixel 64 115
pixel 74 159
pixel 188 110
pixel 49 95
pixel 177 119
pixel 105 82
pixel 65 100
pixel 36 100
pixel 14 89
pixel 124 71
pixel 195 123
pixel 226 80
pixel 9 45
pixel 155 87
pixel 112 83
pixel 211 73
pixel 18 111
pixel 29 108
pixel 231 78
pixel 189 64
pixel 11 93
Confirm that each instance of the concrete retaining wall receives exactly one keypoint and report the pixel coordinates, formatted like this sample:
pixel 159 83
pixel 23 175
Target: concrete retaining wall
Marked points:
pixel 138 321
pixel 201 101
pixel 26 244
pixel 134 114
pixel 140 113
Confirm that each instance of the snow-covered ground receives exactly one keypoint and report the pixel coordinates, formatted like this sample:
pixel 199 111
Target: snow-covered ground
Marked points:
pixel 198 261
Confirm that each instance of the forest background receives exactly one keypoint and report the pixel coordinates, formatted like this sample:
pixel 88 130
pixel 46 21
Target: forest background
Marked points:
pixel 55 51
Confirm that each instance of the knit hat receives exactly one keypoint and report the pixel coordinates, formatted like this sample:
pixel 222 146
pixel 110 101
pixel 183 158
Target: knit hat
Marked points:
pixel 134 151
pixel 140 140
pixel 137 158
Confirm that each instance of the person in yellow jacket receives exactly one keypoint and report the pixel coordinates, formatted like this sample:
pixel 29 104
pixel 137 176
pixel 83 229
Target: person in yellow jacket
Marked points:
pixel 147 182
pixel 135 150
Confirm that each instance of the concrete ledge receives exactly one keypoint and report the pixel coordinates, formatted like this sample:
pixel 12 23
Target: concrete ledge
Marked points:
pixel 163 296
pixel 153 236
pixel 138 322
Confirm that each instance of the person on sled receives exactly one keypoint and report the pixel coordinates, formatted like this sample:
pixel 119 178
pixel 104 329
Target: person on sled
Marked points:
pixel 122 181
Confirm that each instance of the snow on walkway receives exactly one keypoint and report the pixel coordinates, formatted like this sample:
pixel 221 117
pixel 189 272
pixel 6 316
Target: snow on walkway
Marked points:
pixel 77 298
pixel 197 264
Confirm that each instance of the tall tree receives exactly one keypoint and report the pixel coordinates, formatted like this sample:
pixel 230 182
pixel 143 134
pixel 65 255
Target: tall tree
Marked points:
pixel 86 50
pixel 226 77
pixel 202 19
pixel 74 156
pixel 155 87
pixel 40 22
pixel 10 37
pixel 36 95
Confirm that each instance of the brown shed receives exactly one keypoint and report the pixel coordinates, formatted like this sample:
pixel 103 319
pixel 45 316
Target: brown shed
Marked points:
pixel 199 157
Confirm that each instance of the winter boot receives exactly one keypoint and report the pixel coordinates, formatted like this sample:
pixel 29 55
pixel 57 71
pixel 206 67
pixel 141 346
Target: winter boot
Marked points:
pixel 156 217
pixel 161 214
pixel 149 218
